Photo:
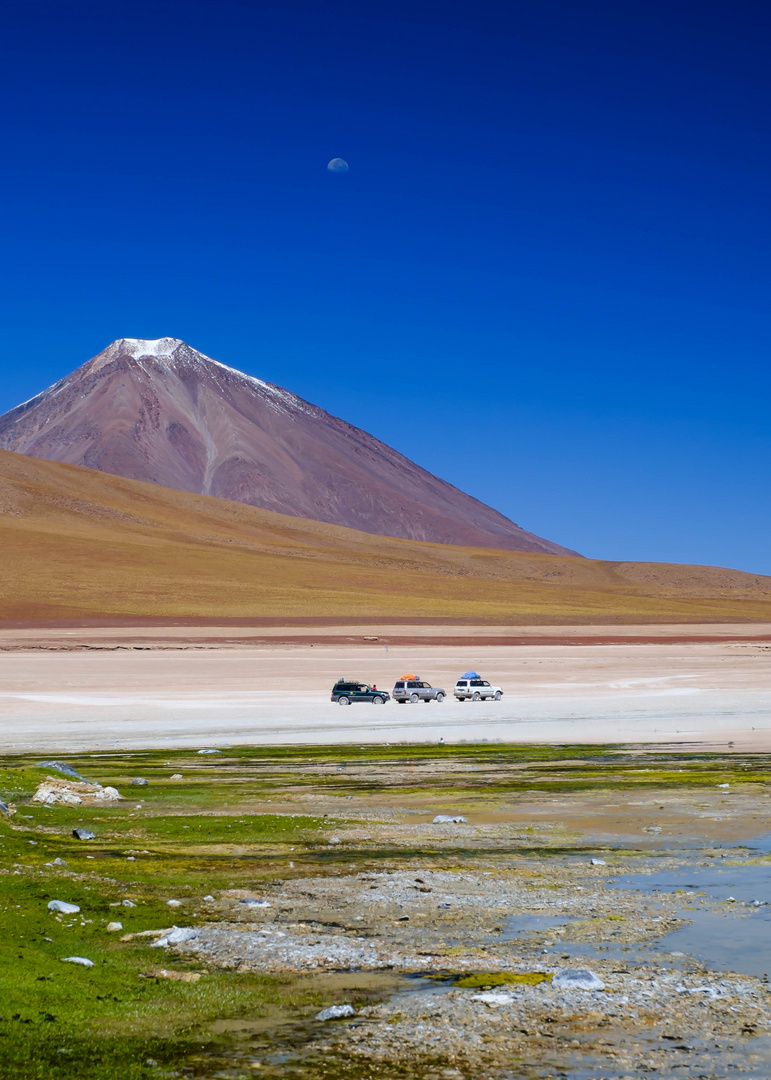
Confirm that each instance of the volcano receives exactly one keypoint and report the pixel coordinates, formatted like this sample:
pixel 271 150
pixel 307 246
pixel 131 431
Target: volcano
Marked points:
pixel 161 411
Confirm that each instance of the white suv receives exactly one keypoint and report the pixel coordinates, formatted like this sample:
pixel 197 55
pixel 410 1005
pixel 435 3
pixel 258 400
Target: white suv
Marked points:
pixel 475 689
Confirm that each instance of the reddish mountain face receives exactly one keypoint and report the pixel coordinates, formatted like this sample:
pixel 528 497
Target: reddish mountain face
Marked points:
pixel 163 412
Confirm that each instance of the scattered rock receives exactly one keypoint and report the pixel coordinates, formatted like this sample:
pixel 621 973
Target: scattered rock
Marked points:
pixel 208 898
pixel 71 793
pixel 83 834
pixel 253 903
pixel 447 819
pixel 173 903
pixel 598 862
pixel 336 1012
pixel 577 979
pixel 493 998
pixel 59 862
pixel 128 903
pixel 138 781
pixel 335 840
pixel 176 776
pixel 209 751
pixel 176 936
pixel 113 926
pixel 82 960
pixel 724 785
pixel 63 907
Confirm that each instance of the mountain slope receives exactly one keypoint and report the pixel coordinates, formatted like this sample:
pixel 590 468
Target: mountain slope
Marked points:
pixel 79 544
pixel 162 412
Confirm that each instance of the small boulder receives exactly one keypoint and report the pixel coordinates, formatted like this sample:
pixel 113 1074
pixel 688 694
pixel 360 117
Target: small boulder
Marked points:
pixel 173 903
pixel 59 862
pixel 335 840
pixel 112 927
pixel 577 979
pixel 209 751
pixel 598 862
pixel 448 819
pixel 176 776
pixel 4 808
pixel 336 1012
pixel 82 960
pixel 176 936
pixel 138 781
pixel 128 903
pixel 63 907
pixel 208 898
pixel 83 834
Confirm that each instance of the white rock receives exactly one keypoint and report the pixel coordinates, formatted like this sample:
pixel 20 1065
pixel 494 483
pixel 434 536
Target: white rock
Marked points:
pixel 63 906
pixel 128 903
pixel 176 776
pixel 255 903
pixel 493 998
pixel 336 1012
pixel 176 936
pixel 209 898
pixel 174 903
pixel 724 785
pixel 209 751
pixel 598 862
pixel 335 840
pixel 577 979
pixel 113 926
pixel 82 960
pixel 447 819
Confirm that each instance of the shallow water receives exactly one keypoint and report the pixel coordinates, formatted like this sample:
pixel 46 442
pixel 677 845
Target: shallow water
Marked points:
pixel 740 939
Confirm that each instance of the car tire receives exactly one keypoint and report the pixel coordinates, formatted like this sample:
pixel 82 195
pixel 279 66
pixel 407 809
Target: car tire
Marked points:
pixel 440 698
pixel 414 698
pixel 378 700
pixel 476 697
pixel 343 701
pixel 498 695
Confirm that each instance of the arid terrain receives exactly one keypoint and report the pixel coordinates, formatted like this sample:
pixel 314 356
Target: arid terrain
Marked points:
pixel 82 545
pixel 67 688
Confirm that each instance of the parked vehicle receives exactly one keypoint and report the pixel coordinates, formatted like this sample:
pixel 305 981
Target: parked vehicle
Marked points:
pixel 410 688
pixel 470 687
pixel 349 691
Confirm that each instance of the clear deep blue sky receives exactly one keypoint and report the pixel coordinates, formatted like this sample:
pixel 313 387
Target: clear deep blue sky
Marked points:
pixel 545 276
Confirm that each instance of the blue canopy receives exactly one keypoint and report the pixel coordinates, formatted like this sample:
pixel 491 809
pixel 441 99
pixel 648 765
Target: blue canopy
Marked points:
pixel 469 675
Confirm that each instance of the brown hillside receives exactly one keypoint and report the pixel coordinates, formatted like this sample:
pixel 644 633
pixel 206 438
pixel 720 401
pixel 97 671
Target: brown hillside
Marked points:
pixel 81 544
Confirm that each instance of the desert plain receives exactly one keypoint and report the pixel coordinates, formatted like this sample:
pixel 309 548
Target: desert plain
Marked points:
pixel 87 688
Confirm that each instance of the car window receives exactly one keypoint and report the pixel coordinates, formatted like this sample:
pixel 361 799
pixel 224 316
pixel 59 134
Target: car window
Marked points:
pixel 399 686
pixel 412 685
pixel 485 683
pixel 477 682
pixel 426 685
pixel 461 682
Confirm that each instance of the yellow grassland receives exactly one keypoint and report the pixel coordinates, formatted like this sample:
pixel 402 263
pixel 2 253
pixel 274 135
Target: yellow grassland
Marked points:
pixel 75 543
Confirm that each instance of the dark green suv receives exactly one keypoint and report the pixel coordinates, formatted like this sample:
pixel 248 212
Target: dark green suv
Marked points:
pixel 346 692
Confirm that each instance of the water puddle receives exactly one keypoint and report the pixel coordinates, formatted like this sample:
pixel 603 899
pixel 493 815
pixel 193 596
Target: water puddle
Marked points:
pixel 737 940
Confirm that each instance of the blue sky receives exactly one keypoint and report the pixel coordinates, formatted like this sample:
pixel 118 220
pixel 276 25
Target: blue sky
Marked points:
pixel 545 276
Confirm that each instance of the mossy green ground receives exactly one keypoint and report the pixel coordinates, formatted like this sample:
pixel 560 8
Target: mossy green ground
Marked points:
pixel 209 831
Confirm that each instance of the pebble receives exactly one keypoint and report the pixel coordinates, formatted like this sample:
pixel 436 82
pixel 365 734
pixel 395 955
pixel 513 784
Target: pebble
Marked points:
pixel 577 979
pixel 82 960
pixel 113 926
pixel 63 906
pixel 447 819
pixel 336 1012
pixel 83 834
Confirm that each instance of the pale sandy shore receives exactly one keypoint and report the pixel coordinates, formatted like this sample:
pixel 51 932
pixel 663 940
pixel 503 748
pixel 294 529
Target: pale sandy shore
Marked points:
pixel 700 687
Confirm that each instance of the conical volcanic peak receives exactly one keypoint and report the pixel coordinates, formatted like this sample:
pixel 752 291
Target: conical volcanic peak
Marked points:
pixel 161 411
